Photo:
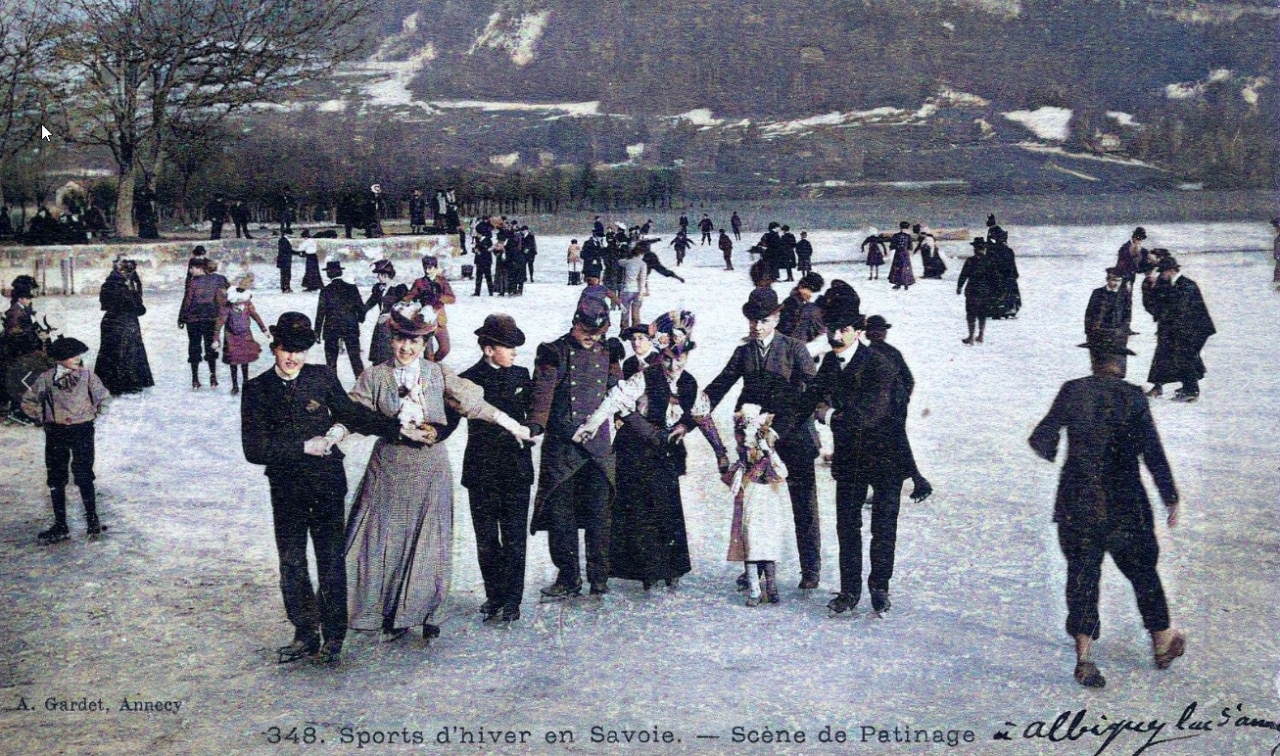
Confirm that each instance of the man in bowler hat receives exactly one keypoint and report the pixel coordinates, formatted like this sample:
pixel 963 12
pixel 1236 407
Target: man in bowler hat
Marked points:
pixel 287 424
pixel 577 478
pixel 1102 506
pixel 497 470
pixel 775 371
pixel 338 317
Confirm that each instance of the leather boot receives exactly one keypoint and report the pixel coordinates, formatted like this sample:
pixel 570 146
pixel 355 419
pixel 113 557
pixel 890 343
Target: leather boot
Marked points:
pixel 89 496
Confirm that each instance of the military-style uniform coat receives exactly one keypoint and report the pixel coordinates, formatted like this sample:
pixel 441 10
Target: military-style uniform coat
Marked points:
pixel 1109 427
pixel 569 382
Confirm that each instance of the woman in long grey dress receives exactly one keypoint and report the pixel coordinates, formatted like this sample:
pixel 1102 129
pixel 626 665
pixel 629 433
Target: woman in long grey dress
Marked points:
pixel 400 533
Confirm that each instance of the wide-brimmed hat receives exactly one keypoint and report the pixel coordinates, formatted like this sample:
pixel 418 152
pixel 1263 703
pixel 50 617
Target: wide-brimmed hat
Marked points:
pixel 501 329
pixel 978 243
pixel 412 320
pixel 65 347
pixel 634 330
pixel 1113 271
pixel 333 268
pixel 24 286
pixel 292 332
pixel 761 304
pixel 592 314
pixel 384 268
pixel 878 323
pixel 1167 263
pixel 1106 343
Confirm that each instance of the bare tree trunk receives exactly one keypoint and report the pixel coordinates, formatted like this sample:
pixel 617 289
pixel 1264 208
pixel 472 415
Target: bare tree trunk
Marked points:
pixel 124 204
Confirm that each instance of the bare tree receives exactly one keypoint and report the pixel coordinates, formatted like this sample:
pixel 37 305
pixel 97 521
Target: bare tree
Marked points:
pixel 147 71
pixel 27 33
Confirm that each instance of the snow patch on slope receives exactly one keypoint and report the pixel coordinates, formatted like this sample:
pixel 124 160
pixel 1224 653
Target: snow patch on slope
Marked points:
pixel 569 108
pixel 1046 123
pixel 517 36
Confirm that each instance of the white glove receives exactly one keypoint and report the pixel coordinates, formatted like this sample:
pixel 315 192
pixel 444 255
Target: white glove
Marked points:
pixel 316 447
pixel 509 424
pixel 584 434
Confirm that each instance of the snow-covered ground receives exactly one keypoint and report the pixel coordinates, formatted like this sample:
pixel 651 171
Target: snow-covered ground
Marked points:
pixel 181 602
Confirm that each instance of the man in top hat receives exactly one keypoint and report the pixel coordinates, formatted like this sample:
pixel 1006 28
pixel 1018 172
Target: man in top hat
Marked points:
pixel 1108 313
pixel 979 274
pixel 497 469
pixel 577 480
pixel 338 317
pixel 853 395
pixel 775 371
pixel 287 424
pixel 66 399
pixel 877 333
pixel 1183 326
pixel 1102 506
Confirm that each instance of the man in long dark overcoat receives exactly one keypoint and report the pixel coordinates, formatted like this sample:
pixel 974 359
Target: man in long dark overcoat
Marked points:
pixel 497 470
pixel 853 394
pixel 1102 506
pixel 775 371
pixel 1183 326
pixel 1108 314
pixel 576 481
pixel 338 317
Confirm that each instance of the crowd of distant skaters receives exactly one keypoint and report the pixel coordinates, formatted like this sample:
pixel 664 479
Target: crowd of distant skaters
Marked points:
pixel 613 426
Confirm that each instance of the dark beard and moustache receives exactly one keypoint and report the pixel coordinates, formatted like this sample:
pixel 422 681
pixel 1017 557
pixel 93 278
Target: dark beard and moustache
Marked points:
pixel 835 343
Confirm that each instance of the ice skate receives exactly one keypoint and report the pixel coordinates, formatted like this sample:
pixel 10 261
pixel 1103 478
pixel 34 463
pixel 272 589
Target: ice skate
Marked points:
pixel 95 528
pixel 54 534
pixel 1087 674
pixel 430 631
pixel 880 603
pixel 300 648
pixel 330 654
pixel 843 602
pixel 560 592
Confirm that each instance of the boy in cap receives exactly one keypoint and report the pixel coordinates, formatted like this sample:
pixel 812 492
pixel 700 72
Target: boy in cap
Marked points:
pixel 66 399
pixel 497 470
pixel 1102 506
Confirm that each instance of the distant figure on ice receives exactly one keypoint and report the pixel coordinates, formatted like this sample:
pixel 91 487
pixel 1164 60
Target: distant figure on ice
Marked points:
pixel 339 313
pixel 1183 326
pixel 681 243
pixel 67 399
pixel 216 213
pixel 736 224
pixel 900 274
pixel 373 211
pixel 1102 506
pixel 1107 315
pixel 930 254
pixel 286 210
pixel 284 263
pixel 206 295
pixel 873 246
pixel 417 212
pixel 1133 259
pixel 239 348
pixel 308 248
pixel 979 275
pixel 705 225
pixel 122 357
pixel 804 253
pixel 726 248
pixel 1008 297
pixel 240 218
pixel 787 253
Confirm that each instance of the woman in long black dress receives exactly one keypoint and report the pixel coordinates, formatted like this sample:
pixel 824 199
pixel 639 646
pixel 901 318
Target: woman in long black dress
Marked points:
pixel 122 357
pixel 661 404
